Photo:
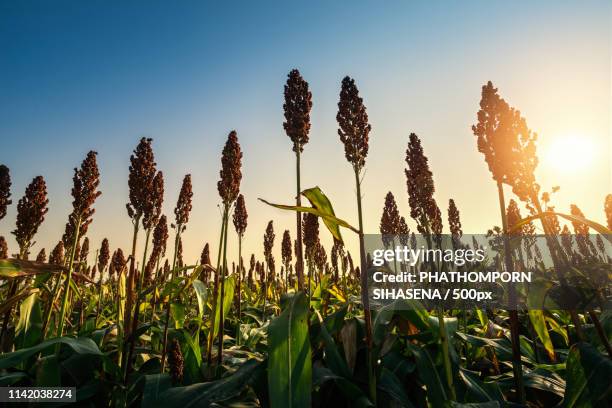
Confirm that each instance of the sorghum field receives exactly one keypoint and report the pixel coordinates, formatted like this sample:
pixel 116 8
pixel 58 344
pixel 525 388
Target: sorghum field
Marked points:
pixel 130 327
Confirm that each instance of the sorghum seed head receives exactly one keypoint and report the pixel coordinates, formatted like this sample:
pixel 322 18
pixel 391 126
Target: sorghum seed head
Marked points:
pixel 580 228
pixel 104 255
pixel 403 232
pixel 268 245
pixel 507 144
pixel 354 128
pixel 160 237
pixel 140 180
pixel 175 361
pixel 57 255
pixel 117 263
pixel 42 256
pixel 240 216
pixel 153 206
pixel 3 248
pixel 231 174
pixel 297 106
pixel 454 220
pixel 390 219
pixel 84 251
pixel 286 248
pixel 183 205
pixel 31 211
pixel 5 190
pixel 419 180
pixel 310 234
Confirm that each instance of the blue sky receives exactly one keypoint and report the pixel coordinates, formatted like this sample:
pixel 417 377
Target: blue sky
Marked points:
pixel 76 76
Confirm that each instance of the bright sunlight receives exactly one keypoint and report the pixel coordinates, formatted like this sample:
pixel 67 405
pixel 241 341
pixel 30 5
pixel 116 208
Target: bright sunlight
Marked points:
pixel 570 153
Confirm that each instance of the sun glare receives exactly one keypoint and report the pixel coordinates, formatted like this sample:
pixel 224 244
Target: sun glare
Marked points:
pixel 570 154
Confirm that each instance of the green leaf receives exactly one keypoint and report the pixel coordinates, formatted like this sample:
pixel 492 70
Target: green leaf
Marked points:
pixel 332 356
pixel 289 364
pixel 29 326
pixel 154 386
pixel 81 345
pixel 539 324
pixel 322 207
pixel 178 313
pixel 436 392
pixel 607 234
pixel 393 386
pixel 228 298
pixel 320 201
pixel 205 394
pixel 202 293
pixel 588 376
pixel 350 390
pixel 482 392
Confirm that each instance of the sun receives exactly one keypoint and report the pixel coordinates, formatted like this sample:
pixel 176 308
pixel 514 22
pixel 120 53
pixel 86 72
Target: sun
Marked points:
pixel 570 154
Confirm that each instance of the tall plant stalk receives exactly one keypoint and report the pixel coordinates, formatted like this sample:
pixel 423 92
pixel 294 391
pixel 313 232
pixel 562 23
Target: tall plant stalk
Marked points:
pixel 222 288
pixel 517 366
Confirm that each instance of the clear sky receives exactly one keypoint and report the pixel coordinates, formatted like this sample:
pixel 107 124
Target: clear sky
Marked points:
pixel 78 75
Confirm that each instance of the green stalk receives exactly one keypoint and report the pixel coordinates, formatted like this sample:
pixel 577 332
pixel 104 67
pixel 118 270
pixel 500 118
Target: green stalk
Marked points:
pixel 239 275
pixel 222 291
pixel 132 339
pixel 167 322
pixel 517 367
pixel 215 296
pixel 365 293
pixel 299 266
pixel 60 327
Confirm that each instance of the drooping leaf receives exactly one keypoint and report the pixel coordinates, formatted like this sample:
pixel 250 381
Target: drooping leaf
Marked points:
pixel 588 376
pixel 205 394
pixel 202 293
pixel 29 326
pixel 539 324
pixel 82 345
pixel 436 391
pixel 289 364
pixel 605 232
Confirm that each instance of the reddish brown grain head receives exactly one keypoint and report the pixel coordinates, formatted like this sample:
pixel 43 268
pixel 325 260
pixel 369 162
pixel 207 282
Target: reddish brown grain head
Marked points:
pixel 153 207
pixel 160 237
pixel 5 190
pixel 175 361
pixel 240 216
pixel 507 144
pixel 104 255
pixel 84 252
pixel 390 219
pixel 297 106
pixel 117 263
pixel 419 180
pixel 183 205
pixel 31 211
pixel 311 234
pixel 57 254
pixel 580 228
pixel 286 248
pixel 231 172
pixel 140 180
pixel 3 248
pixel 454 219
pixel 269 245
pixel 42 256
pixel 354 129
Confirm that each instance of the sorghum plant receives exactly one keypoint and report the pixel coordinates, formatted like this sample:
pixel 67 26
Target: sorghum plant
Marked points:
pixel 298 103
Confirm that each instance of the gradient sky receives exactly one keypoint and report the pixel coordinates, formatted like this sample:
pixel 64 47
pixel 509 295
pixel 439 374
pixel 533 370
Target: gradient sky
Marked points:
pixel 77 75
